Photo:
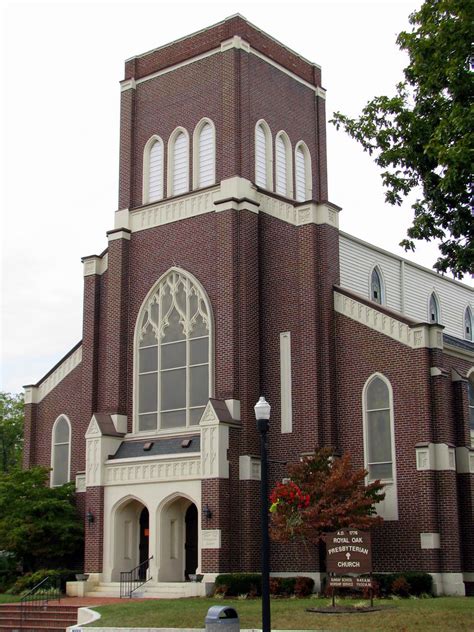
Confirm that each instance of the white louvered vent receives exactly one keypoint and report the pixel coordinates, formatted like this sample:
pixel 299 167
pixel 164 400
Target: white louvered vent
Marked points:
pixel 260 158
pixel 180 166
pixel 300 175
pixel 281 167
pixel 207 161
pixel 155 174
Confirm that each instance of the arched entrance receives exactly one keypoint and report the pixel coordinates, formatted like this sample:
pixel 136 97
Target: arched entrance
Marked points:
pixel 191 541
pixel 179 540
pixel 131 537
pixel 143 547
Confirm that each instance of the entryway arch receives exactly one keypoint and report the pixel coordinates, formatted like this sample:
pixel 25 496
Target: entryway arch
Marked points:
pixel 178 539
pixel 131 536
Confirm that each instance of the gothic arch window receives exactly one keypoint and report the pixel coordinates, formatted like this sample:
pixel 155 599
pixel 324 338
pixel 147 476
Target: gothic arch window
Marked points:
pixel 379 446
pixel 178 162
pixel 379 428
pixel 433 309
pixel 376 286
pixel 263 156
pixel 204 154
pixel 470 389
pixel 153 170
pixel 61 451
pixel 283 165
pixel 468 323
pixel 303 178
pixel 173 354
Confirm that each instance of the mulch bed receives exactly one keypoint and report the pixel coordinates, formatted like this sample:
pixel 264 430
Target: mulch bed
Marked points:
pixel 338 609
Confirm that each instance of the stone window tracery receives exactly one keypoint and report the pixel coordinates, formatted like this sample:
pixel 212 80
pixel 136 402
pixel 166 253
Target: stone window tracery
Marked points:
pixel 174 338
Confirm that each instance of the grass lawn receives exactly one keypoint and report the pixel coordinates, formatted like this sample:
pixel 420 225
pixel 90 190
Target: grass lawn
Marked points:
pixel 442 614
pixel 6 598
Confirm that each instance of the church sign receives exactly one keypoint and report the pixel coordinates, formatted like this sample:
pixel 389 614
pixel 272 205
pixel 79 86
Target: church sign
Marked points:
pixel 348 551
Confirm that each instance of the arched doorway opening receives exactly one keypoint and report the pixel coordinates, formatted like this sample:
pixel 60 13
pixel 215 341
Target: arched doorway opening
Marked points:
pixel 131 537
pixel 179 540
pixel 143 547
pixel 191 541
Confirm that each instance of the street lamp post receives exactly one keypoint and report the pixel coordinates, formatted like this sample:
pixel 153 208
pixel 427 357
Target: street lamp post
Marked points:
pixel 262 415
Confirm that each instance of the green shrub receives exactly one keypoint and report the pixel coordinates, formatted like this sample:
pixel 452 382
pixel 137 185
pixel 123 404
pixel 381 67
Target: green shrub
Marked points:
pixel 235 584
pixel 419 583
pixel 59 578
pixel 287 586
pixel 239 584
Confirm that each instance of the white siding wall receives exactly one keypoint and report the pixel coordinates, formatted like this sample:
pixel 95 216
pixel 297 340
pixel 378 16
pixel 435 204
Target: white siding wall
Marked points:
pixel 412 298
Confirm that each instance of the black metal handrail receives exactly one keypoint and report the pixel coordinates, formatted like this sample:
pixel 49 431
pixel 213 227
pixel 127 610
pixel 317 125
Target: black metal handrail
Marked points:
pixel 39 596
pixel 130 581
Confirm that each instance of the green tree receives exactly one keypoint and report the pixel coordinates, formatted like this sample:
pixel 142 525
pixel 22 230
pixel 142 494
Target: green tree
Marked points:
pixel 323 494
pixel 38 523
pixel 422 137
pixel 11 430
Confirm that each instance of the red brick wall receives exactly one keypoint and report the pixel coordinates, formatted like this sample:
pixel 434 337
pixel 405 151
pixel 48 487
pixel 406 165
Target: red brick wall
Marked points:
pixel 65 399
pixel 94 539
pixel 211 38
pixel 244 89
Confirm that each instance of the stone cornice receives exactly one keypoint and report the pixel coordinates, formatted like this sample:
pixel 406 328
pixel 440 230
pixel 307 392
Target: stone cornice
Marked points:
pixel 413 335
pixel 231 194
pixel 35 393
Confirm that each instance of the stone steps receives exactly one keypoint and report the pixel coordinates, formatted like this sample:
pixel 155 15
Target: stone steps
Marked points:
pixel 151 590
pixel 37 618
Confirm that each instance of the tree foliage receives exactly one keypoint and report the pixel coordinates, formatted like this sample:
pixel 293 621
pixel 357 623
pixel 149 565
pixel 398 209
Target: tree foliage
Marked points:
pixel 422 137
pixel 38 523
pixel 11 430
pixel 323 495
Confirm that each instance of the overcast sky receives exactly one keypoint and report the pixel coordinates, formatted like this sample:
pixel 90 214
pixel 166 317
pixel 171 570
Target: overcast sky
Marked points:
pixel 61 67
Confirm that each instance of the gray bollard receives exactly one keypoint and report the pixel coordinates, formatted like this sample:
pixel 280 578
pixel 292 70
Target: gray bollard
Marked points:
pixel 222 619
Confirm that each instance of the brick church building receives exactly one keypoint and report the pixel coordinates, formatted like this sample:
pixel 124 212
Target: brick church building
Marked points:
pixel 226 277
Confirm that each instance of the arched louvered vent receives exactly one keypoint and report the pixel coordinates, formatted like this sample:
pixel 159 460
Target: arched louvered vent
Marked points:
pixel 155 173
pixel 300 175
pixel 207 161
pixel 468 323
pixel 260 157
pixel 434 309
pixel 281 167
pixel 180 165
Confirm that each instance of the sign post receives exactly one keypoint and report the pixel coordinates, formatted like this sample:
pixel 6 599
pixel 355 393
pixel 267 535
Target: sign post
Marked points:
pixel 349 551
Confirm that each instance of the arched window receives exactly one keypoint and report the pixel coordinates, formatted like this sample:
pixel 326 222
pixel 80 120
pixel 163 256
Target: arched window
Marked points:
pixel 173 343
pixel 434 309
pixel 153 170
pixel 178 162
pixel 376 286
pixel 470 387
pixel 61 451
pixel 283 165
pixel 263 156
pixel 378 430
pixel 204 155
pixel 303 177
pixel 468 323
